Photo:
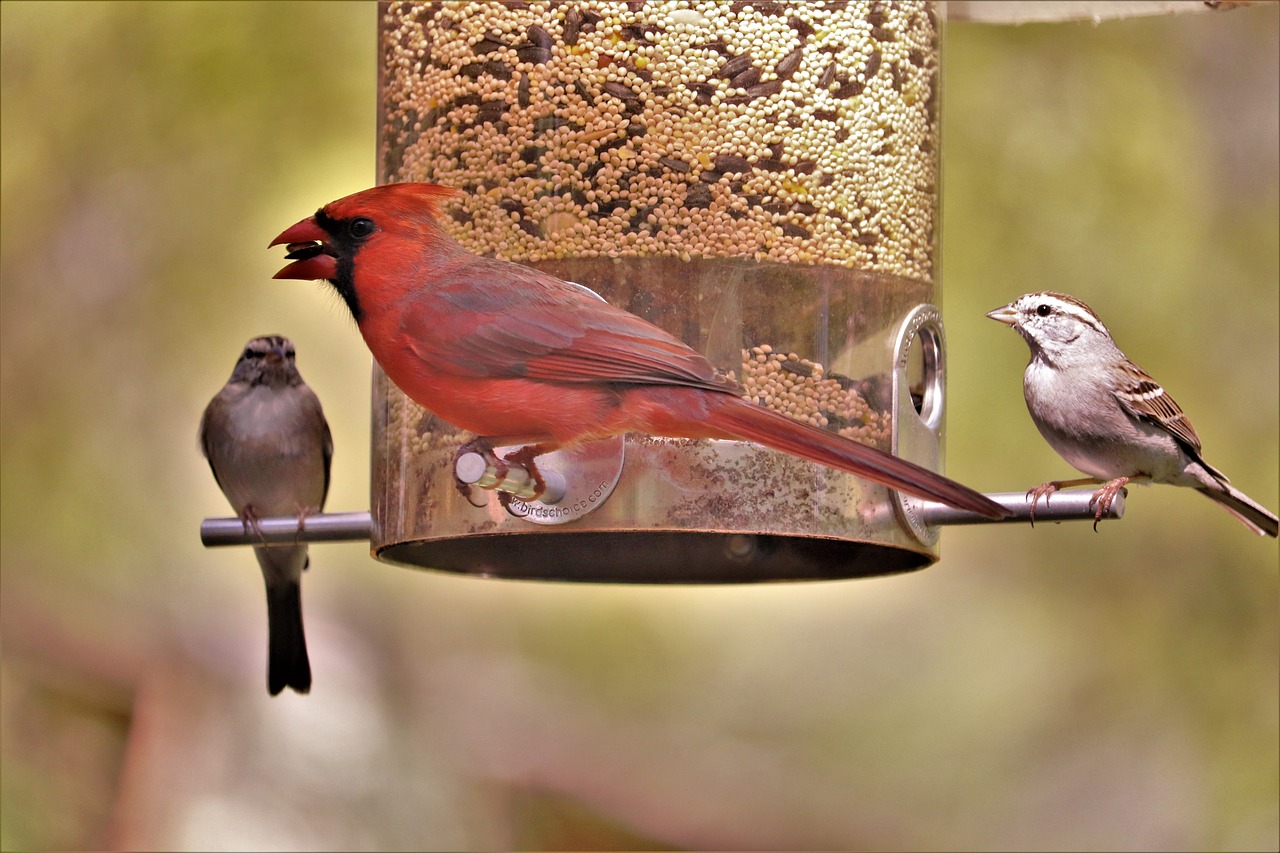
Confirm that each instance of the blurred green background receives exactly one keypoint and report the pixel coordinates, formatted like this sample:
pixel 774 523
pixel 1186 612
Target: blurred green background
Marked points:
pixel 1044 689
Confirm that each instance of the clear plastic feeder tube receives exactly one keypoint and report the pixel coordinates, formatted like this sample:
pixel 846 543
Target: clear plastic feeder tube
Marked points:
pixel 757 178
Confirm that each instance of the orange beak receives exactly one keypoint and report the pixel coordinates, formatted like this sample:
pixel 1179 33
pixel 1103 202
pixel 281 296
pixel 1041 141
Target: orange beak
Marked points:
pixel 311 255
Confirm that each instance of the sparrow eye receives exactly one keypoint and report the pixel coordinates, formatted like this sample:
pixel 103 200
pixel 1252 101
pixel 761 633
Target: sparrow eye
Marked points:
pixel 361 228
pixel 1043 310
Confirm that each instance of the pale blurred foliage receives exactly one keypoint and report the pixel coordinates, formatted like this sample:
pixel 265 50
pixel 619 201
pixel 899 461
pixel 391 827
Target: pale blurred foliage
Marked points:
pixel 1038 689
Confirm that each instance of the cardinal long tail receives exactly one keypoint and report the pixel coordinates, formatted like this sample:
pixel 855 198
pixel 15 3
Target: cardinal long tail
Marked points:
pixel 742 419
pixel 1253 515
pixel 287 661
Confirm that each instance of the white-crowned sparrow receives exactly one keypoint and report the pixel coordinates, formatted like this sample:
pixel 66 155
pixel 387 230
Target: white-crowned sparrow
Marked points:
pixel 1105 415
pixel 268 444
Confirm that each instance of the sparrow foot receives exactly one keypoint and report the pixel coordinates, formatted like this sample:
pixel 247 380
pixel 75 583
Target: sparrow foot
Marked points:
pixel 303 512
pixel 1046 489
pixel 1106 496
pixel 1041 491
pixel 249 518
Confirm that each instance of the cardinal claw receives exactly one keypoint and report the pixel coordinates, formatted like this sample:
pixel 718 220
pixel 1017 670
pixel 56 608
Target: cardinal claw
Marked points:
pixel 524 458
pixel 498 468
pixel 506 499
pixel 467 493
pixel 513 477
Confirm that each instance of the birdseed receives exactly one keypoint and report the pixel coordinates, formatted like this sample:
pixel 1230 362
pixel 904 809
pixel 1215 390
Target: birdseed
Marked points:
pixel 795 132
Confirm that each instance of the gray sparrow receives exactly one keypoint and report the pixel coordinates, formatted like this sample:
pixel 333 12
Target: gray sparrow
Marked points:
pixel 268 443
pixel 1105 415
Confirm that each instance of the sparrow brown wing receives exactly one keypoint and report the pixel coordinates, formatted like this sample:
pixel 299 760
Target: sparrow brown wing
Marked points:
pixel 315 415
pixel 212 423
pixel 1142 397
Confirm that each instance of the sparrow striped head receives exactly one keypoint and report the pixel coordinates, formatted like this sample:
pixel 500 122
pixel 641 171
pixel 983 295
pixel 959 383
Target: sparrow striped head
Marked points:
pixel 267 359
pixel 1051 321
pixel 1046 304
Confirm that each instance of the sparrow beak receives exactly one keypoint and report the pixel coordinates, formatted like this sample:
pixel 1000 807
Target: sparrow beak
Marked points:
pixel 1004 314
pixel 311 255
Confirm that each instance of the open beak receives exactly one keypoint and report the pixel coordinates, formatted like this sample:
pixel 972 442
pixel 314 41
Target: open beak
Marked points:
pixel 1004 314
pixel 308 250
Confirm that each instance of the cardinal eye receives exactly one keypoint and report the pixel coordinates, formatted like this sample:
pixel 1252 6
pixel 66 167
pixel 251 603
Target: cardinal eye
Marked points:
pixel 1043 310
pixel 361 228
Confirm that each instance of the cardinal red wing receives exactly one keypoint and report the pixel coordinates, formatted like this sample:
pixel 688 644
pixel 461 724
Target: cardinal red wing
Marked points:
pixel 539 327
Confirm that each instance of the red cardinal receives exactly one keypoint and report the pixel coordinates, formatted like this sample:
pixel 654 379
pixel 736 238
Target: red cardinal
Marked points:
pixel 520 357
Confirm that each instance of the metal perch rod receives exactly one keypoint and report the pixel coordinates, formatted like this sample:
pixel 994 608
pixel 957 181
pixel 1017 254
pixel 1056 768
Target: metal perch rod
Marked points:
pixel 1061 506
pixel 355 526
pixel 283 530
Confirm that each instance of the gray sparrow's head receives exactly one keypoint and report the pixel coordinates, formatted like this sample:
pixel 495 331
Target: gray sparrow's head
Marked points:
pixel 268 360
pixel 1056 326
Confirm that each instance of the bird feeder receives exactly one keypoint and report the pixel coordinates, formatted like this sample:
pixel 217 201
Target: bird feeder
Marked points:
pixel 757 178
